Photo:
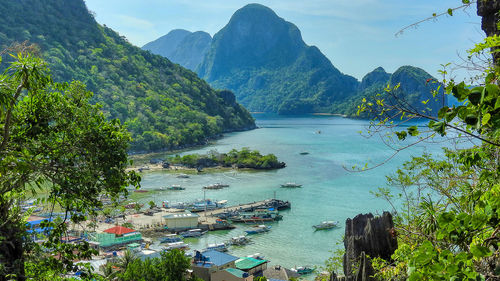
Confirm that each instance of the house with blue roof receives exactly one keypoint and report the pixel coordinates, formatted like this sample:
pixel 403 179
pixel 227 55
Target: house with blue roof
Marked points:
pixel 205 264
pixel 231 274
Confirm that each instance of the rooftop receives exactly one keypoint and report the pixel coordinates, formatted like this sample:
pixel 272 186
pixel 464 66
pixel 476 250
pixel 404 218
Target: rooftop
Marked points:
pixel 237 272
pixel 216 258
pixel 119 230
pixel 248 263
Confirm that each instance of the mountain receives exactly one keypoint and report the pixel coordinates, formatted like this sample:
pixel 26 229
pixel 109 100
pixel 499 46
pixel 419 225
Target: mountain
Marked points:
pixel 182 47
pixel 415 88
pixel 263 59
pixel 163 104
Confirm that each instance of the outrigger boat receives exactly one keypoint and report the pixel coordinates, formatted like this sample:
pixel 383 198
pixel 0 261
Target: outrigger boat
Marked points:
pixel 302 270
pixel 258 229
pixel 177 245
pixel 176 187
pixel 326 225
pixel 291 185
pixel 216 186
pixel 221 247
pixel 170 238
pixel 239 240
pixel 259 215
pixel 192 233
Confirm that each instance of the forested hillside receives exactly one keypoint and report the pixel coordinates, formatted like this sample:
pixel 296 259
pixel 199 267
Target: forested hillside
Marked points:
pixel 163 104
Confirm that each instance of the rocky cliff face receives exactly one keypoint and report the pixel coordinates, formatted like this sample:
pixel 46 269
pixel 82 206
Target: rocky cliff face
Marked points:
pixel 366 236
pixel 263 59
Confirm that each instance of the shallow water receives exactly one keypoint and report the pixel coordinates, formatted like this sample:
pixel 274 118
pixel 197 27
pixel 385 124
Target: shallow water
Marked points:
pixel 329 192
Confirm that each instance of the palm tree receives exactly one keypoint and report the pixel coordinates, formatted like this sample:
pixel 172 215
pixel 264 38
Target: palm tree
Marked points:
pixel 123 262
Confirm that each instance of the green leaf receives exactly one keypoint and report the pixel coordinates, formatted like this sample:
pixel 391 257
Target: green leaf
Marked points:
pixel 479 251
pixel 486 119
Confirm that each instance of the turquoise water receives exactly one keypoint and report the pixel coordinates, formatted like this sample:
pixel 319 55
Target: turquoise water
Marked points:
pixel 329 191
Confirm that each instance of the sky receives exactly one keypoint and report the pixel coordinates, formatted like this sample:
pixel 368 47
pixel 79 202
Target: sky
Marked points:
pixel 356 35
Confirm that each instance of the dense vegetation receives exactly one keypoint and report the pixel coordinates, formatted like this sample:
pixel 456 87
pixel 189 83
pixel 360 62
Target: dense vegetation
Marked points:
pixel 263 59
pixel 408 84
pixel 170 266
pixel 448 226
pixel 53 141
pixel 163 105
pixel 234 158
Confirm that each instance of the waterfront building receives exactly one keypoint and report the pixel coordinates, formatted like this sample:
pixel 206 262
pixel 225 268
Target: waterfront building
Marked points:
pixel 207 263
pixel 181 221
pixel 117 235
pixel 251 265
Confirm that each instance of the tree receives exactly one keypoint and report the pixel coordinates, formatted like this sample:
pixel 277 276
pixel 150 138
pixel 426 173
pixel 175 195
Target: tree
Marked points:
pixel 52 141
pixel 449 224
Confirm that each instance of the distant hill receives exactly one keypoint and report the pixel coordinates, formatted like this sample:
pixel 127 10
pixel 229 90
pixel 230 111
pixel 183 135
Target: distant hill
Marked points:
pixel 163 104
pixel 181 46
pixel 263 59
pixel 416 86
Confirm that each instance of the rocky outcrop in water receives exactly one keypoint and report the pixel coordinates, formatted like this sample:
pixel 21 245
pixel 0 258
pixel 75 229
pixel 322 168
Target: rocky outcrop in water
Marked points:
pixel 366 236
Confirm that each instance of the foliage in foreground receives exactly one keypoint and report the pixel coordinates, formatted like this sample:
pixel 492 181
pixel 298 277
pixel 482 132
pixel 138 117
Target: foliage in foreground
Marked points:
pixel 449 223
pixel 52 138
pixel 234 158
pixel 170 266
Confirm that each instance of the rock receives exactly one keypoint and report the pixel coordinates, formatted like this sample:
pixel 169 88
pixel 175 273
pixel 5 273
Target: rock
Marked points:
pixel 366 236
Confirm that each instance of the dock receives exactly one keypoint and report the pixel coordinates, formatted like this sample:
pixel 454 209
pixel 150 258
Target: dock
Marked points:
pixel 209 218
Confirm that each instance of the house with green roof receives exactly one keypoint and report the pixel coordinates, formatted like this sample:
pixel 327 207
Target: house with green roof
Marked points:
pixel 231 274
pixel 251 265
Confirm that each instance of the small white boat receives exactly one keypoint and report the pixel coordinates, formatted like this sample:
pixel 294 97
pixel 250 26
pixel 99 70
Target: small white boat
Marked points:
pixel 291 185
pixel 326 225
pixel 239 240
pixel 177 245
pixel 221 247
pixel 258 229
pixel 192 233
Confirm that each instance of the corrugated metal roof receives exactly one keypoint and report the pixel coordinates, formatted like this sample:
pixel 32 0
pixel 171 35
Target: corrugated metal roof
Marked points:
pixel 248 263
pixel 218 258
pixel 237 272
pixel 119 230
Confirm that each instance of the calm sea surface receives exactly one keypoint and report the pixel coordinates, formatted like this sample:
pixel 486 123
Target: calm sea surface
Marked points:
pixel 329 191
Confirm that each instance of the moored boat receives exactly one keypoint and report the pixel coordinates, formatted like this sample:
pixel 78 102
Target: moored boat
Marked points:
pixel 170 238
pixel 177 245
pixel 302 270
pixel 221 247
pixel 326 225
pixel 176 187
pixel 291 185
pixel 192 233
pixel 258 229
pixel 239 240
pixel 216 186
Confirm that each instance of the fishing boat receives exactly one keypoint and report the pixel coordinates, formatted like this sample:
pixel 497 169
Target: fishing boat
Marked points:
pixel 221 247
pixel 170 238
pixel 291 185
pixel 326 225
pixel 216 186
pixel 176 187
pixel 239 240
pixel 259 215
pixel 192 233
pixel 302 270
pixel 177 245
pixel 258 229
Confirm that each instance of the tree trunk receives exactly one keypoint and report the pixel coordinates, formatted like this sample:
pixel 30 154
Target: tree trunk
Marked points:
pixel 488 10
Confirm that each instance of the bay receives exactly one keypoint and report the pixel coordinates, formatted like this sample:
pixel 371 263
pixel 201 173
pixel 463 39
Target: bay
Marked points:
pixel 330 191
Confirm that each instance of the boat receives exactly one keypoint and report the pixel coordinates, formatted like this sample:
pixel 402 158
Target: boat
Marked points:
pixel 239 240
pixel 302 270
pixel 291 185
pixel 216 186
pixel 326 225
pixel 304 153
pixel 200 206
pixel 258 215
pixel 192 233
pixel 221 247
pixel 177 245
pixel 258 229
pixel 175 187
pixel 170 238
pixel 182 176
